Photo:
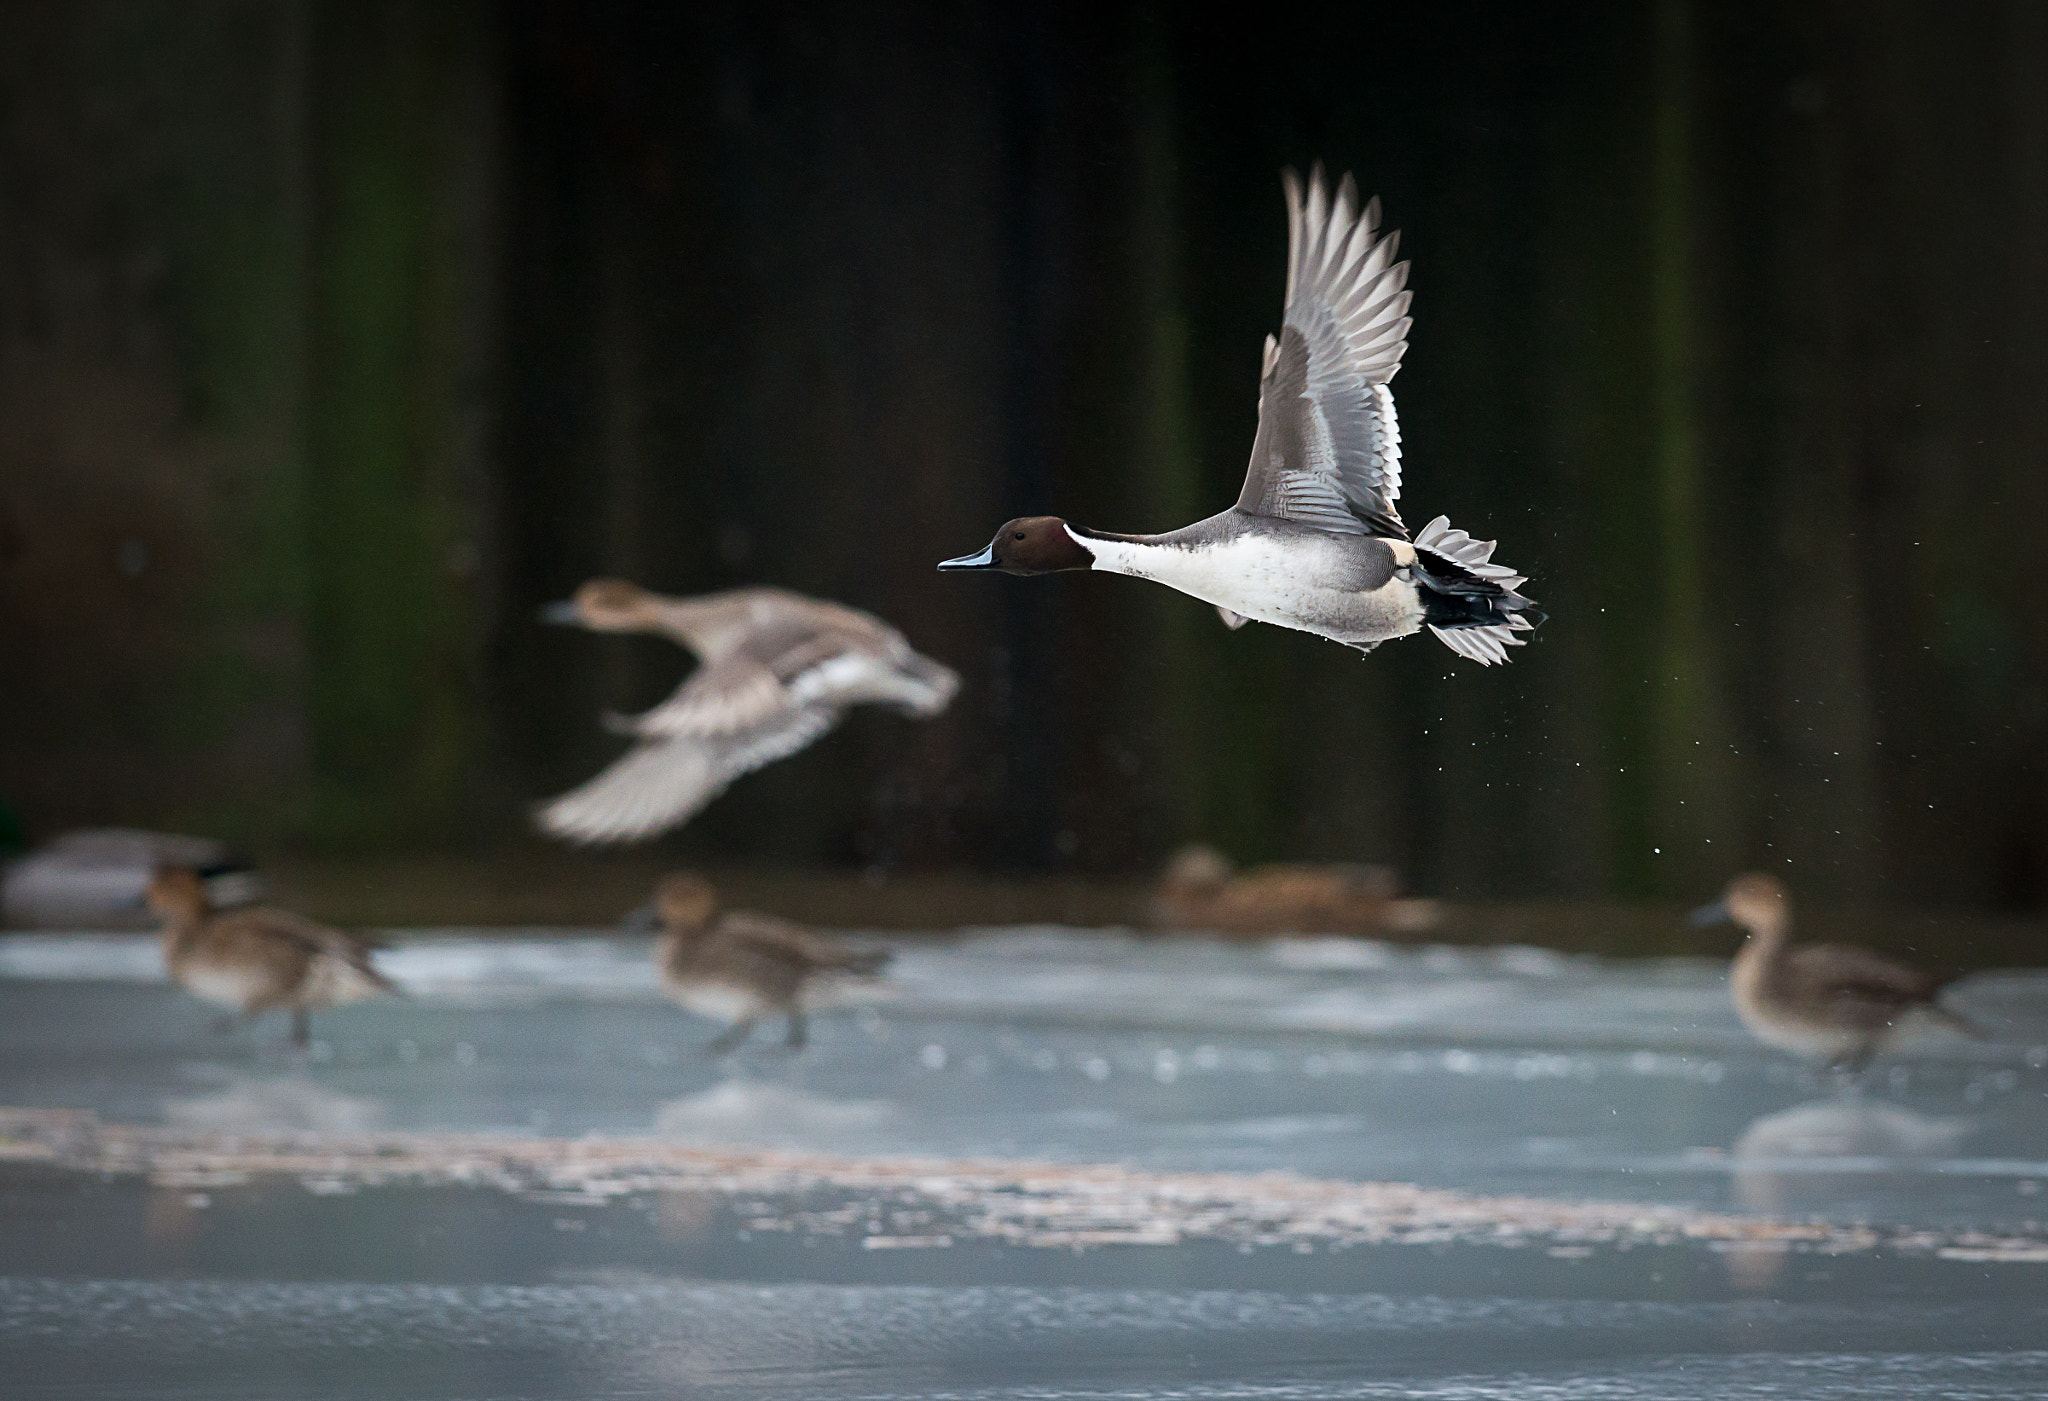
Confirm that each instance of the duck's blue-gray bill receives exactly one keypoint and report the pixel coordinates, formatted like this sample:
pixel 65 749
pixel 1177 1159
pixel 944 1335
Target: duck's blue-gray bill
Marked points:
pixel 985 558
pixel 563 612
pixel 1716 913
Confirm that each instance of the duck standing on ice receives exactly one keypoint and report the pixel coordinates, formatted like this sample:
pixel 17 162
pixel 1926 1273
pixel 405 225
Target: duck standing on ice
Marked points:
pixel 1831 1002
pixel 254 959
pixel 1314 542
pixel 737 966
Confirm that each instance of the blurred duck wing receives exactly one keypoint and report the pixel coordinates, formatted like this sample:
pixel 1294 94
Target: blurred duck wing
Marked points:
pixel 665 780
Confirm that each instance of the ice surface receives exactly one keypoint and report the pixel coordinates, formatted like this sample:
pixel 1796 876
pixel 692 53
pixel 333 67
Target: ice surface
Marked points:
pixel 1484 1071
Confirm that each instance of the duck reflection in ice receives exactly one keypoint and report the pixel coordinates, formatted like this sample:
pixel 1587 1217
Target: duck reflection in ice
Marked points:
pixel 289 1103
pixel 1826 1158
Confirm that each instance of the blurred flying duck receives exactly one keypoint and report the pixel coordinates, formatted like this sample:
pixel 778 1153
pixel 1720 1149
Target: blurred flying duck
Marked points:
pixel 778 671
pixel 1831 1002
pixel 255 959
pixel 1314 542
pixel 737 966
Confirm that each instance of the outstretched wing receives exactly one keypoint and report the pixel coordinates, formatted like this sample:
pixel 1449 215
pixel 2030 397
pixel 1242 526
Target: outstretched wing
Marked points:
pixel 666 779
pixel 1328 450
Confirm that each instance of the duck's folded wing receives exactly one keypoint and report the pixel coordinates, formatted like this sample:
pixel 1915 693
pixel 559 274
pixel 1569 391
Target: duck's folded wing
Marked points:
pixel 664 780
pixel 337 944
pixel 1842 971
pixel 1328 450
pixel 793 942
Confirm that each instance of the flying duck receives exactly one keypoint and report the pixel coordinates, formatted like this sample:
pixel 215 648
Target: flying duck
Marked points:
pixel 778 671
pixel 1832 1002
pixel 737 966
pixel 1314 542
pixel 254 959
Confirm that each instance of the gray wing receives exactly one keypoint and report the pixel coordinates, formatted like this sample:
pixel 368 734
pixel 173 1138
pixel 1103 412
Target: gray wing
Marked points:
pixel 787 669
pixel 320 938
pixel 1842 971
pixel 1328 450
pixel 667 779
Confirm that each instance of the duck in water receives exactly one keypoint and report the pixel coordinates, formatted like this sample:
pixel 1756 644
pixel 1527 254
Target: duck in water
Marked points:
pixel 1314 542
pixel 736 966
pixel 255 959
pixel 1830 1002
pixel 779 671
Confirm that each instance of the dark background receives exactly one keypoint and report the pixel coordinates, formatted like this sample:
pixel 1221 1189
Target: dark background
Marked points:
pixel 336 336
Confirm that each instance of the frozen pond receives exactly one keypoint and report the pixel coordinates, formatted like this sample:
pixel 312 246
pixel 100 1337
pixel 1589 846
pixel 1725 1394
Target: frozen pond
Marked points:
pixel 190 1245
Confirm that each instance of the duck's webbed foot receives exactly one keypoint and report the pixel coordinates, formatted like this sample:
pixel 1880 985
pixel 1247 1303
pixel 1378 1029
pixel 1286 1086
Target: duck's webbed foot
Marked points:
pixel 799 1032
pixel 302 1028
pixel 731 1037
pixel 226 1024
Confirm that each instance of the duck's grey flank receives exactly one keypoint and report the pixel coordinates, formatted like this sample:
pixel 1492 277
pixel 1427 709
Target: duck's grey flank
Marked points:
pixel 1315 541
pixel 778 672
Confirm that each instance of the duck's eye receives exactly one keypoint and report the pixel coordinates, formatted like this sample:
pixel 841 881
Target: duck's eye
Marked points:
pixel 1020 535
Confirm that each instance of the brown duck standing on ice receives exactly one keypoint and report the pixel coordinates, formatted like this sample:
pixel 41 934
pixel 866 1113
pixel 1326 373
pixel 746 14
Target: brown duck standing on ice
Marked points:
pixel 1831 1002
pixel 1202 890
pixel 737 966
pixel 254 959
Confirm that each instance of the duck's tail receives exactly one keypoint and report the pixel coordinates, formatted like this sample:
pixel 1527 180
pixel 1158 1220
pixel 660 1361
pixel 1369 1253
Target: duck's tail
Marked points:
pixel 1470 603
pixel 1952 1019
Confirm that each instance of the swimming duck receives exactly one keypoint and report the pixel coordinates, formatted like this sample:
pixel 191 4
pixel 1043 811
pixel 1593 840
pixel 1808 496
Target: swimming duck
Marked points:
pixel 778 671
pixel 1832 1002
pixel 93 878
pixel 1202 890
pixel 737 966
pixel 256 959
pixel 1314 542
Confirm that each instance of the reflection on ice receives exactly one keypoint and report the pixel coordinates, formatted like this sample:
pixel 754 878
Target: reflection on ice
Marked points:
pixel 764 1113
pixel 288 1102
pixel 1846 1134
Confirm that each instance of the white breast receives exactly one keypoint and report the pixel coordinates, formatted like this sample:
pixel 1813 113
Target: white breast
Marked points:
pixel 224 985
pixel 1293 583
pixel 720 1002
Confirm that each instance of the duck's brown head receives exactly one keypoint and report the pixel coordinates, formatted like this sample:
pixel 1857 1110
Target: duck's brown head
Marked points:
pixel 603 605
pixel 685 903
pixel 176 892
pixel 1028 545
pixel 1757 902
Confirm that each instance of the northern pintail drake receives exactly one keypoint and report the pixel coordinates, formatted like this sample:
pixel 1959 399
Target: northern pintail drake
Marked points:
pixel 94 878
pixel 1202 890
pixel 1830 1002
pixel 778 671
pixel 256 959
pixel 736 966
pixel 1314 542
